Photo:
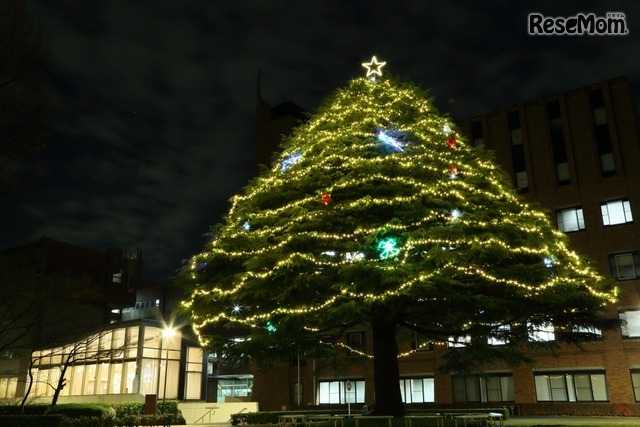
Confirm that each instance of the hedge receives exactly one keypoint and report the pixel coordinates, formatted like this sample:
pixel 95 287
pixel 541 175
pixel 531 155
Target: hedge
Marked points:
pixel 272 417
pixel 75 410
pixel 30 421
pixel 28 409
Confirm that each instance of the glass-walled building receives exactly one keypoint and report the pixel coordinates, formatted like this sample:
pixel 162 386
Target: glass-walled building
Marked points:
pixel 134 358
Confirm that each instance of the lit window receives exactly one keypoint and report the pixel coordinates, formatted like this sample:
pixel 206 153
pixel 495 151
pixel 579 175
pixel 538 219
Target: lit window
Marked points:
pixel 630 326
pixel 457 342
pixel 635 379
pixel 237 386
pixel 617 212
pixel 330 392
pixel 541 333
pixel 117 277
pixel 625 266
pixel 499 336
pixel 193 380
pixel 597 333
pixel 522 181
pixel 417 390
pixel 570 219
pixel 579 386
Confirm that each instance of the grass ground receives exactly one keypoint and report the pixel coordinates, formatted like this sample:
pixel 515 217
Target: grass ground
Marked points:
pixel 521 422
pixel 573 421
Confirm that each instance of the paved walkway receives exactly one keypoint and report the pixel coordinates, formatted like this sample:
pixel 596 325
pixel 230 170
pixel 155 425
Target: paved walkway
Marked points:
pixel 571 421
pixel 529 421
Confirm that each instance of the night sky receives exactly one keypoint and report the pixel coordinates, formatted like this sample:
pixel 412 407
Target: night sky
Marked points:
pixel 153 120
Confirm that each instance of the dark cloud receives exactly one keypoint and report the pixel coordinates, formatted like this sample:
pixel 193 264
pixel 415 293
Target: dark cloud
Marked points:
pixel 155 100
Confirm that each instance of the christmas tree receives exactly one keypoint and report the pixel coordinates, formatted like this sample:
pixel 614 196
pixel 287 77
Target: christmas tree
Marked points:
pixel 378 213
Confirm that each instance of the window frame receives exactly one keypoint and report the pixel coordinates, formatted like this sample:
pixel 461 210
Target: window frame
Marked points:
pixel 563 383
pixel 626 212
pixel 542 332
pixel 480 385
pixel 407 389
pixel 615 265
pixel 624 327
pixel 362 345
pixel 357 388
pixel 579 219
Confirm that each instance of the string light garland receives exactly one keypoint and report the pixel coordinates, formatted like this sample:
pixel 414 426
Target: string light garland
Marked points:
pixel 283 258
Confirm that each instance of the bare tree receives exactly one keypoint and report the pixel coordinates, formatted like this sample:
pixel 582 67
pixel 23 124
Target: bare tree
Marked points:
pixel 92 347
pixel 41 308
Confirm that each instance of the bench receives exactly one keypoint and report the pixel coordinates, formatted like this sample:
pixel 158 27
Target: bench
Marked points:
pixel 316 419
pixel 291 420
pixel 373 417
pixel 439 419
pixel 488 418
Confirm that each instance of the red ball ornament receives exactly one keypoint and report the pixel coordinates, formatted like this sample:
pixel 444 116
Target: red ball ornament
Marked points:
pixel 326 199
pixel 453 170
pixel 451 142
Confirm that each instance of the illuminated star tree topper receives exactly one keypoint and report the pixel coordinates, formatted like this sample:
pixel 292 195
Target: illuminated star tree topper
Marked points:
pixel 374 68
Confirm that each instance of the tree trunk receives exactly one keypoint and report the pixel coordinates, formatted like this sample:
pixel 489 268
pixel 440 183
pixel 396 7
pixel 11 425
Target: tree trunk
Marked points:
pixel 28 390
pixel 61 383
pixel 386 373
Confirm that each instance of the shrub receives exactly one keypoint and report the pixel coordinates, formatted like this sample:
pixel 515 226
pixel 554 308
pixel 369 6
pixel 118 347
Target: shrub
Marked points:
pixel 87 422
pixel 30 421
pixel 75 410
pixel 144 420
pixel 127 408
pixel 168 407
pixel 28 409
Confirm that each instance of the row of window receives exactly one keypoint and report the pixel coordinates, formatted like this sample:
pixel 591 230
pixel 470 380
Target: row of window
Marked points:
pixel 537 333
pixel 624 266
pixel 556 135
pixel 135 359
pixel 613 213
pixel 563 386
pixel 117 377
pixel 630 328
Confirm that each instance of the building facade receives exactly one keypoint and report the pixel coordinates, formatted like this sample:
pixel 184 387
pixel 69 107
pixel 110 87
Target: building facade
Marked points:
pixel 110 342
pixel 124 362
pixel 577 154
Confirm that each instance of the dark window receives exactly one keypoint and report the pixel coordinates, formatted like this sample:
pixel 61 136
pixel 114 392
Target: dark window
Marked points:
pixel 556 135
pixel 483 388
pixel 420 342
pixel 355 340
pixel 517 152
pixel 477 134
pixel 601 130
pixel 625 266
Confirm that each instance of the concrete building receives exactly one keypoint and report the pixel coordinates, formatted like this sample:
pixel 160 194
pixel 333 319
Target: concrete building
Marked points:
pixel 576 153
